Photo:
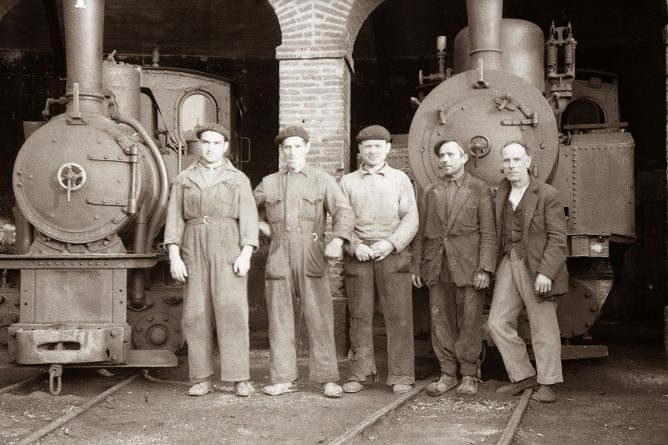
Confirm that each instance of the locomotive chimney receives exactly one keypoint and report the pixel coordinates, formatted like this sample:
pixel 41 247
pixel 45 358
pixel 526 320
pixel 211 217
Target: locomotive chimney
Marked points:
pixel 485 32
pixel 84 26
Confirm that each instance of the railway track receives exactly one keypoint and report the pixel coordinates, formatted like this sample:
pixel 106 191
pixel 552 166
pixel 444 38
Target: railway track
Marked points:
pixel 72 414
pixel 353 435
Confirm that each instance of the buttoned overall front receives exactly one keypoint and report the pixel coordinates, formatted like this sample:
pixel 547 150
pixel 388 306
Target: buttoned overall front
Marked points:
pixel 295 204
pixel 211 221
pixel 385 209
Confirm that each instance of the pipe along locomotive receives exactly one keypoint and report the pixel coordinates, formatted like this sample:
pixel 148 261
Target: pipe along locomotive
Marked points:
pixel 499 91
pixel 91 188
pixel 92 184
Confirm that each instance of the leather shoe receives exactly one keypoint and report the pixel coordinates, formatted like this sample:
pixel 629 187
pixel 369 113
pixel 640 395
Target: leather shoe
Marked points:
pixel 279 388
pixel 518 387
pixel 401 388
pixel 352 386
pixel 244 389
pixel 468 386
pixel 545 394
pixel 201 388
pixel 442 385
pixel 332 390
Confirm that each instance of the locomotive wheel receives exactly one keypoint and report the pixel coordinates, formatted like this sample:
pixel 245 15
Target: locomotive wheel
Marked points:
pixel 157 330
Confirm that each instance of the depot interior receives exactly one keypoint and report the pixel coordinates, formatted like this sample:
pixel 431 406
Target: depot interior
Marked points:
pixel 237 40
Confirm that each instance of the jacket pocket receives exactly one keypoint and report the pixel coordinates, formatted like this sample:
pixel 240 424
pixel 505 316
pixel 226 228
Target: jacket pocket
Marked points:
pixel 315 263
pixel 274 209
pixel 277 263
pixel 310 208
pixel 470 216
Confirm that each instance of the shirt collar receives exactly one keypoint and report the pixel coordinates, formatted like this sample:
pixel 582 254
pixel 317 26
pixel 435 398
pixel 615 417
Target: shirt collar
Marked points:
pixel 306 170
pixel 380 171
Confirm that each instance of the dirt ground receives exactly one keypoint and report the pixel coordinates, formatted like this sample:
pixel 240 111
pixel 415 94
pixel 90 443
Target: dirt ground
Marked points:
pixel 620 399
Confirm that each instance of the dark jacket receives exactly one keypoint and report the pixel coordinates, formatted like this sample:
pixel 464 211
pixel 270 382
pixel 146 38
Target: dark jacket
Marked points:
pixel 543 232
pixel 467 238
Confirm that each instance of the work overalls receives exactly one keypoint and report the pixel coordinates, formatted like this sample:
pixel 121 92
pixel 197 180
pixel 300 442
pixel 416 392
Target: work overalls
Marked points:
pixel 212 221
pixel 295 205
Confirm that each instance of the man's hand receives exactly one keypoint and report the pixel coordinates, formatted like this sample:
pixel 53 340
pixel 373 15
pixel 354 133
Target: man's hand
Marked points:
pixel 381 249
pixel 417 281
pixel 363 252
pixel 334 249
pixel 543 284
pixel 178 268
pixel 482 279
pixel 264 228
pixel 242 264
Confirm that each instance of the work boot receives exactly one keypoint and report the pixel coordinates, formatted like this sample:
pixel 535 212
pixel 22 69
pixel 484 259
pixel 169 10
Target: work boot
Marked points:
pixel 277 389
pixel 442 385
pixel 545 394
pixel 400 388
pixel 517 387
pixel 332 390
pixel 352 386
pixel 201 388
pixel 468 386
pixel 244 389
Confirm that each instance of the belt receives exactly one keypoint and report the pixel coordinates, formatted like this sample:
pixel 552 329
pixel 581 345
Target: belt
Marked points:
pixel 208 219
pixel 313 236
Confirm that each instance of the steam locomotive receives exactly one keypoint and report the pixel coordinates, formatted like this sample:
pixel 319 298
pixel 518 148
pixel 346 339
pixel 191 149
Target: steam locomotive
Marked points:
pixel 499 92
pixel 91 188
pixel 92 184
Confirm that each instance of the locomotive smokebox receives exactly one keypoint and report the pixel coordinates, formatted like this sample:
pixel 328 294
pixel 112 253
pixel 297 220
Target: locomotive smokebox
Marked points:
pixel 487 106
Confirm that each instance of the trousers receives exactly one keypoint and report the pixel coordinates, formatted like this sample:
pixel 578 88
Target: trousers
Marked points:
pixel 214 293
pixel 391 279
pixel 514 289
pixel 456 327
pixel 292 287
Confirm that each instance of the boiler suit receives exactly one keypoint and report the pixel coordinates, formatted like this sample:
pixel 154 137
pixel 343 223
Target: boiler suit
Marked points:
pixel 295 205
pixel 211 222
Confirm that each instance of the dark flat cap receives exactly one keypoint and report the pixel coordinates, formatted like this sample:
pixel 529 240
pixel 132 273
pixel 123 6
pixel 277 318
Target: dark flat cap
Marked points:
pixel 374 132
pixel 213 127
pixel 293 130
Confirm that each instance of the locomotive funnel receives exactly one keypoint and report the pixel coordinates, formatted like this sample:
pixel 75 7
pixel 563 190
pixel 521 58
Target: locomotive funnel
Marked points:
pixel 484 17
pixel 84 26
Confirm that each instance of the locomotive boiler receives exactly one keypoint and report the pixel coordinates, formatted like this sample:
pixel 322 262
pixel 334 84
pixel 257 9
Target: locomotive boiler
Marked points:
pixel 91 188
pixel 499 92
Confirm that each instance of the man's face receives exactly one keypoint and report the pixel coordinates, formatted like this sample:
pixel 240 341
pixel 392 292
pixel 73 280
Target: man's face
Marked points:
pixel 213 146
pixel 515 163
pixel 451 158
pixel 374 151
pixel 294 150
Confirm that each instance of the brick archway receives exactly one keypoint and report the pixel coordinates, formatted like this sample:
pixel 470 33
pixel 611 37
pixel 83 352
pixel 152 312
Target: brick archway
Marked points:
pixel 315 69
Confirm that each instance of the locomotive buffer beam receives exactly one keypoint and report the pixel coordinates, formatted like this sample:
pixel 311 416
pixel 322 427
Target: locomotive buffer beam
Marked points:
pixel 125 261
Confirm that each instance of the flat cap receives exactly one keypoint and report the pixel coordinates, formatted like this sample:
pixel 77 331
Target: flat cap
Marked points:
pixel 293 130
pixel 213 127
pixel 374 132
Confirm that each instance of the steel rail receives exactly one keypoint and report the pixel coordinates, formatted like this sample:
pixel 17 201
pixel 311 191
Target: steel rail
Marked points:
pixel 514 422
pixel 22 383
pixel 367 423
pixel 33 437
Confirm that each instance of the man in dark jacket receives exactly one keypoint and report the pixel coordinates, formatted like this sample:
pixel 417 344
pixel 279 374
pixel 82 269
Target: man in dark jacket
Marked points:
pixel 531 227
pixel 455 255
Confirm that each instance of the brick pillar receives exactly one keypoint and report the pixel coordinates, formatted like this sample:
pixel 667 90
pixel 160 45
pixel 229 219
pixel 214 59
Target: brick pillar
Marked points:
pixel 315 68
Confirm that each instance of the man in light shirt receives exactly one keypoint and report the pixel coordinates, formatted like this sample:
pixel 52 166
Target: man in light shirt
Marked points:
pixel 386 220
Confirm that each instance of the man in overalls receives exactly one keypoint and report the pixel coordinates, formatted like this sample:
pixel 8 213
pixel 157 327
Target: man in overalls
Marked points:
pixel 211 232
pixel 295 201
